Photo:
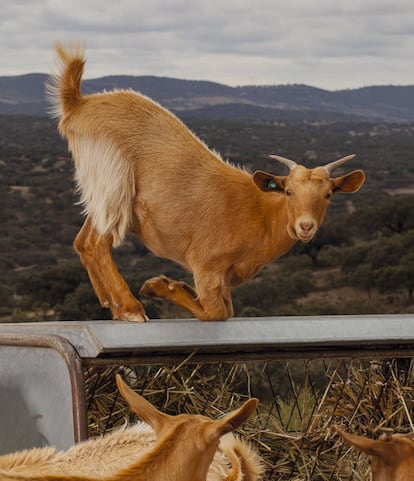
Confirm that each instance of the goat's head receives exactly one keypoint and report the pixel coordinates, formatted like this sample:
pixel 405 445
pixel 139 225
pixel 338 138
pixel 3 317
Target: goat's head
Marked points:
pixel 195 438
pixel 391 457
pixel 308 192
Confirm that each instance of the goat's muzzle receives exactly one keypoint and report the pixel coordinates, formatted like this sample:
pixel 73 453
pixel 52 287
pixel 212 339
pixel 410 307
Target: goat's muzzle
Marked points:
pixel 304 230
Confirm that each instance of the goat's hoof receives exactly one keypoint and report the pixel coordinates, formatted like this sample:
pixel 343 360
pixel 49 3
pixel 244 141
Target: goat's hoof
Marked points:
pixel 131 317
pixel 130 312
pixel 157 287
pixel 136 317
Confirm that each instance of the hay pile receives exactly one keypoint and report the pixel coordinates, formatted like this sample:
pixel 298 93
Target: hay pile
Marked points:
pixel 300 404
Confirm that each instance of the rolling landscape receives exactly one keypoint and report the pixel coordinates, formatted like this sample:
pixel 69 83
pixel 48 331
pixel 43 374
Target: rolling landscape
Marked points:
pixel 361 261
pixel 25 95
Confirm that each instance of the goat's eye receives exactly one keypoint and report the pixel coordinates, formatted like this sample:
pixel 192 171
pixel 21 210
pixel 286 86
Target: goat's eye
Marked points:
pixel 328 195
pixel 288 192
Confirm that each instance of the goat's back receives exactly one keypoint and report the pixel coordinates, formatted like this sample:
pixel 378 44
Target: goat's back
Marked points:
pixel 105 456
pixel 139 168
pixel 27 457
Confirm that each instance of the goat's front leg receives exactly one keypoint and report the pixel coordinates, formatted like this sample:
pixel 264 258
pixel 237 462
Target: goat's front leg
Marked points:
pixel 209 302
pixel 95 252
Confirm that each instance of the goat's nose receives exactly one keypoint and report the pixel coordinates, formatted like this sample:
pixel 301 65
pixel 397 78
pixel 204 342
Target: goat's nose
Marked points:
pixel 306 226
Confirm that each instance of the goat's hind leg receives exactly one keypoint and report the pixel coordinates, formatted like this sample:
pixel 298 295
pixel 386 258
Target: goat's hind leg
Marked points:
pixel 209 305
pixel 95 253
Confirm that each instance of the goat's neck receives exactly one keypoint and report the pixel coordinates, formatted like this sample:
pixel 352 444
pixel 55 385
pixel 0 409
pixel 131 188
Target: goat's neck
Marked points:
pixel 276 237
pixel 171 459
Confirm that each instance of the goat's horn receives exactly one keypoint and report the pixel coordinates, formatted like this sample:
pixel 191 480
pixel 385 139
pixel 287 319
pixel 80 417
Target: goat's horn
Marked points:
pixel 289 163
pixel 336 163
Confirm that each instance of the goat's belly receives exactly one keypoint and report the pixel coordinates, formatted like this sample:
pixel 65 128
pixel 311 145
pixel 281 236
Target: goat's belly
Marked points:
pixel 168 251
pixel 170 247
pixel 161 233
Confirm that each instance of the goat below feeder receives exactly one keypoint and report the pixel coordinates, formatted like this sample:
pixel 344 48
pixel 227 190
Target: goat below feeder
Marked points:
pixel 184 450
pixel 391 457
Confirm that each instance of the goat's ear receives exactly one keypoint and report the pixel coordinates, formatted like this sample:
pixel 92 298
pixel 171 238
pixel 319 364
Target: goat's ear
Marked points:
pixel 368 446
pixel 268 182
pixel 145 410
pixel 236 418
pixel 349 183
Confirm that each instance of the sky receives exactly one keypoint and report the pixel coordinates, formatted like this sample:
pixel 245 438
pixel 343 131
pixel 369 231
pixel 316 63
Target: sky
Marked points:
pixel 328 44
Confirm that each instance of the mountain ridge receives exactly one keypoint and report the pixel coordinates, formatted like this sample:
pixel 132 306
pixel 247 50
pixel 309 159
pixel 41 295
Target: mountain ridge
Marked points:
pixel 25 94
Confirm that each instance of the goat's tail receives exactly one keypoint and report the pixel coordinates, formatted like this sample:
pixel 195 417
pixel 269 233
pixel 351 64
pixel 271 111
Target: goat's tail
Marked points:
pixel 64 86
pixel 246 464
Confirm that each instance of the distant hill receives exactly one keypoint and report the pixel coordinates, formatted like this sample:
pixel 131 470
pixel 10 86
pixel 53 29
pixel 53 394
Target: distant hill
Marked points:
pixel 24 94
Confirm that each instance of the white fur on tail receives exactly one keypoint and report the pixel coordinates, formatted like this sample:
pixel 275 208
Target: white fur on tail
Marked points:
pixel 106 185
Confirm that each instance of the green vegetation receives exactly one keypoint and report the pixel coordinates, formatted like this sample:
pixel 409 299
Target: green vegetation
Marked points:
pixel 362 260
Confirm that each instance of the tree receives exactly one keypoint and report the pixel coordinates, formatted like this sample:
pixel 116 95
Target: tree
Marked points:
pixel 385 252
pixel 363 276
pixel 270 291
pixel 355 256
pixel 329 234
pixel 81 305
pixel 394 278
pixel 392 216
pixel 407 271
pixel 53 284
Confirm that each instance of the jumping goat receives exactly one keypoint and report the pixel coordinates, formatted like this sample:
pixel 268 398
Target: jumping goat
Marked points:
pixel 140 170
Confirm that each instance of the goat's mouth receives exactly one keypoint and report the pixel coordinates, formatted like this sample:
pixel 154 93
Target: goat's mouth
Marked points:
pixel 300 234
pixel 305 238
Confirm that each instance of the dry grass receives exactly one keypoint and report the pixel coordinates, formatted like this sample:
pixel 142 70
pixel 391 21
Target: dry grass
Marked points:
pixel 294 431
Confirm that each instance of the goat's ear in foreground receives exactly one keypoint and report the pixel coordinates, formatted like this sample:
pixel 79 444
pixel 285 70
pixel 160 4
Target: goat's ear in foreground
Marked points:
pixel 234 419
pixel 145 410
pixel 368 446
pixel 268 182
pixel 349 183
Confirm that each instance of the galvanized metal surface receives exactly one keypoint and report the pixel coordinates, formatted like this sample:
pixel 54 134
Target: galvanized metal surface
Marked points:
pixel 277 336
pixel 42 393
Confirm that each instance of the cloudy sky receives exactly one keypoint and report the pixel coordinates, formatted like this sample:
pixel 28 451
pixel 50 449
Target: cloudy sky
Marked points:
pixel 325 43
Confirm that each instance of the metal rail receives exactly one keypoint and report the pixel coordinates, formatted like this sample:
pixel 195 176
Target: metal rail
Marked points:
pixel 273 337
pixel 114 343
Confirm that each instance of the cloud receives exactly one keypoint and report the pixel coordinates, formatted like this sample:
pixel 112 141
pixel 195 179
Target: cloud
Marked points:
pixel 319 42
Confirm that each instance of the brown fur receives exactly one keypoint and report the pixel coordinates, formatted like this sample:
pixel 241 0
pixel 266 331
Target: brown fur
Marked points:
pixel 245 462
pixel 102 457
pixel 140 170
pixel 185 448
pixel 391 457
pixel 35 456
